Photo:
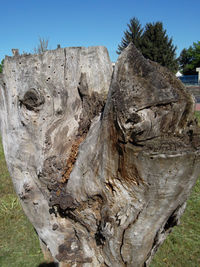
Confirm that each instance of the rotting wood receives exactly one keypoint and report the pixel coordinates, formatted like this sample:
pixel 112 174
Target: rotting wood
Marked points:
pixel 103 179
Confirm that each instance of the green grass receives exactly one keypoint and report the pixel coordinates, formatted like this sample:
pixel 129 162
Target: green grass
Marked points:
pixel 197 115
pixel 182 247
pixel 19 246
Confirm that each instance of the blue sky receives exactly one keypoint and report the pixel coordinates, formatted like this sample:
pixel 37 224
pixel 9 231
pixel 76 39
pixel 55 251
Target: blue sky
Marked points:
pixel 92 22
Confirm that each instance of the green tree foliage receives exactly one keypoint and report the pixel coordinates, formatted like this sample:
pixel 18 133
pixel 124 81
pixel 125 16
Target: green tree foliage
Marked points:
pixel 158 47
pixel 1 66
pixel 133 34
pixel 189 59
pixel 152 41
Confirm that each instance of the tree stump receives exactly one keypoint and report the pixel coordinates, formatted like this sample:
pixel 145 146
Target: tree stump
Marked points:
pixel 103 161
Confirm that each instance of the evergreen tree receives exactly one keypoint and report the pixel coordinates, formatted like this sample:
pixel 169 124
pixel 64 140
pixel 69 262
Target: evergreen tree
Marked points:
pixel 133 34
pixel 189 59
pixel 1 66
pixel 153 42
pixel 158 47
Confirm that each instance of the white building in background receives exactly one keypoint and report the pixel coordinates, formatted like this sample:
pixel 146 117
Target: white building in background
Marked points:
pixel 178 74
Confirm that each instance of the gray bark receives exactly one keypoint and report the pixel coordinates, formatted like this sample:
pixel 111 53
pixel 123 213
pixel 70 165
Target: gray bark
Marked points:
pixel 103 179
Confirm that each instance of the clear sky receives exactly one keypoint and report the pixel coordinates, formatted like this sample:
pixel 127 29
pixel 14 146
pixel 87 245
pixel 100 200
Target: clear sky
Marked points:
pixel 92 22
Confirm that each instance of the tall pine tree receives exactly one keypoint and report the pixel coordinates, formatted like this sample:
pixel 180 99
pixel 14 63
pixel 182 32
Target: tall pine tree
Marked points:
pixel 133 34
pixel 153 42
pixel 158 47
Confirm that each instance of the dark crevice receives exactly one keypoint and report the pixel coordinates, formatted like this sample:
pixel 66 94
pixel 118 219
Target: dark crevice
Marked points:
pixel 53 211
pixel 138 143
pixel 32 100
pixel 65 58
pixel 123 234
pixel 190 134
pixel 155 242
pixel 23 124
pixel 135 143
pixel 102 111
pixel 157 105
pixel 76 234
pixel 70 214
pixel 99 237
pixel 122 142
pixel 172 220
pixel 43 241
pixel 50 264
pixel 81 96
pixel 92 105
pixel 134 118
pixel 110 186
pixel 120 149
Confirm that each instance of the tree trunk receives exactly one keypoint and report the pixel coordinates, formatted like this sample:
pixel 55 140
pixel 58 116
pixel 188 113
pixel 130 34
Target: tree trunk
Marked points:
pixel 103 179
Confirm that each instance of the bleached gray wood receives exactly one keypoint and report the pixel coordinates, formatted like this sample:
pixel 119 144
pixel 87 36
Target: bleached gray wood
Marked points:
pixel 103 179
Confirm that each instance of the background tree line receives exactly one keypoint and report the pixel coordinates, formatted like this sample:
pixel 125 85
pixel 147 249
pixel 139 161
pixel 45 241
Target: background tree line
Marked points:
pixel 189 59
pixel 1 66
pixel 156 45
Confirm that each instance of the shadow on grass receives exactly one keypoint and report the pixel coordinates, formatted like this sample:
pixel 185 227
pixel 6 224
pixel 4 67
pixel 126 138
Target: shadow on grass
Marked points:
pixel 50 264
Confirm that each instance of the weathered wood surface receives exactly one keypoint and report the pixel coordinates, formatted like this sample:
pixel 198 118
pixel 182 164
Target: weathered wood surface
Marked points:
pixel 103 179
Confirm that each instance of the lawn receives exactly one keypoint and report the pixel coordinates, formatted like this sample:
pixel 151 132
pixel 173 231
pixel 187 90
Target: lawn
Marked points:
pixel 182 247
pixel 19 246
